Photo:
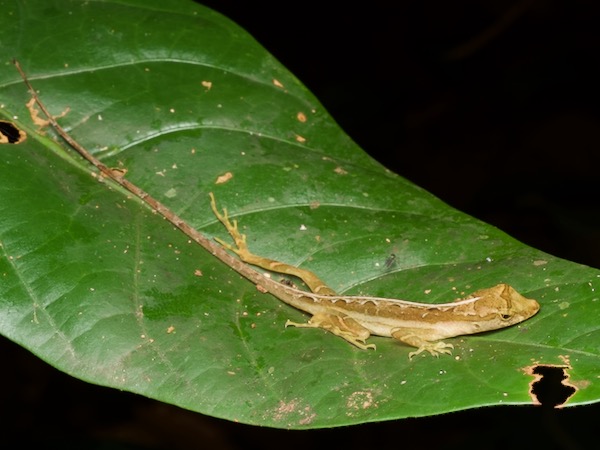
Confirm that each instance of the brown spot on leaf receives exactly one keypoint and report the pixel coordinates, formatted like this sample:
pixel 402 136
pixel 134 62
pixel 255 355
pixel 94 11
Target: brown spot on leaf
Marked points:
pixel 293 411
pixel 551 386
pixel 359 401
pixel 118 172
pixel 35 114
pixel 10 134
pixel 224 178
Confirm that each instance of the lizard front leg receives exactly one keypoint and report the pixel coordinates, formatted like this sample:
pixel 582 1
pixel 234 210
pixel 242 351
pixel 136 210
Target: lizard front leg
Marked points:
pixel 414 338
pixel 342 326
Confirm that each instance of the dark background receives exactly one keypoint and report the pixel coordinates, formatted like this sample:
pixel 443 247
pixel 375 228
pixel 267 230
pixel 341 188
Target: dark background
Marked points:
pixel 492 106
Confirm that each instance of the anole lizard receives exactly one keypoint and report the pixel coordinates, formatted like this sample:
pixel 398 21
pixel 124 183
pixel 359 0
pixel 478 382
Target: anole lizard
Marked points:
pixel 356 318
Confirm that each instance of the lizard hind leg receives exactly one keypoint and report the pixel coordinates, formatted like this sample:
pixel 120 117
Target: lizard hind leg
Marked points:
pixel 240 248
pixel 342 326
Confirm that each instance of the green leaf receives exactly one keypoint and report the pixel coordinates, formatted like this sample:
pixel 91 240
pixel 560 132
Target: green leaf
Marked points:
pixel 98 285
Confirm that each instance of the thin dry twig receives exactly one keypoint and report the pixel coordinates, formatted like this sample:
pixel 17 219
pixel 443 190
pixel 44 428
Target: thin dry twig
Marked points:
pixel 117 175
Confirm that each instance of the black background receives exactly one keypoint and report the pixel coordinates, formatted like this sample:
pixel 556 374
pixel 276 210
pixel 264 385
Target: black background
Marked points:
pixel 491 106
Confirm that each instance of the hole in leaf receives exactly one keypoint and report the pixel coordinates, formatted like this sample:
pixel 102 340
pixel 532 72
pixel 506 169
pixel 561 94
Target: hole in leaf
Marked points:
pixel 10 134
pixel 550 388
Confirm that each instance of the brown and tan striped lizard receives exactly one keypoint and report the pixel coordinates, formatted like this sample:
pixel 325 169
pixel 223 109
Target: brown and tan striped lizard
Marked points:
pixel 356 318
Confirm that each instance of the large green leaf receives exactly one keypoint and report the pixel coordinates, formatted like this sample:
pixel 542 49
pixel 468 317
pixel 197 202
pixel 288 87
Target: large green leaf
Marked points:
pixel 98 285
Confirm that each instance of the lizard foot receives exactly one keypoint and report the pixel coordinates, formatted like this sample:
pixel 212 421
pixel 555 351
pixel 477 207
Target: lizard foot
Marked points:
pixel 434 348
pixel 414 338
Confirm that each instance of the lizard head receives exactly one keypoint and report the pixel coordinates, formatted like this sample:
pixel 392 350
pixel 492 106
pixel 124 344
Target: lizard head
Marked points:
pixel 506 304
